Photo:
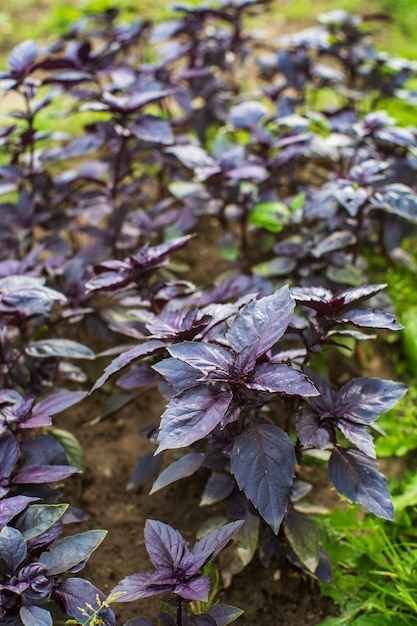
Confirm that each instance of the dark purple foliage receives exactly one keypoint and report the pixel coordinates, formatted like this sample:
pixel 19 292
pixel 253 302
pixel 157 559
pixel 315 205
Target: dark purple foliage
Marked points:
pixel 176 567
pixel 29 570
pixel 107 233
pixel 351 410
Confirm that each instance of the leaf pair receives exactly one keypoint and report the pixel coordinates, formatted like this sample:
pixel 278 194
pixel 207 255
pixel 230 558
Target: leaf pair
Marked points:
pixel 176 567
pixel 357 405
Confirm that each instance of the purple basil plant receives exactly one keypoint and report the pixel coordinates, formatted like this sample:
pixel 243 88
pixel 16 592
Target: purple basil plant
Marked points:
pixel 32 561
pixel 178 570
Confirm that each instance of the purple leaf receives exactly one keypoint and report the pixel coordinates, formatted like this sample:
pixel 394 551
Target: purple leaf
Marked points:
pixel 357 294
pixel 262 321
pixel 43 474
pixel 203 356
pixel 363 399
pixel 9 453
pixel 254 173
pixel 357 477
pixel 35 421
pixel 324 301
pixel 351 198
pixel 336 241
pixel 11 507
pixel 38 543
pixel 82 145
pixel 195 158
pixel 135 101
pixel 137 586
pixel 212 543
pixel 312 431
pixel 180 323
pixel 396 135
pixel 47 348
pixel 13 548
pixel 244 363
pixel 69 78
pixel 178 374
pixel 218 487
pixel 42 450
pixel 357 434
pixel 185 466
pixel 27 295
pixel 316 298
pixel 66 553
pixel 147 467
pixel 281 379
pixel 58 402
pixel 22 56
pixel 191 415
pixel 152 129
pixel 197 588
pixel 247 115
pixel 263 462
pixel 139 376
pixel 76 596
pixel 35 616
pixel 165 545
pixel 368 318
pixel 398 199
pixel 123 360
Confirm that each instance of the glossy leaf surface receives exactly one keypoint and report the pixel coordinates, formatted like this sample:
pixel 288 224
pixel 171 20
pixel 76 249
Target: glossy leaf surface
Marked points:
pixel 263 461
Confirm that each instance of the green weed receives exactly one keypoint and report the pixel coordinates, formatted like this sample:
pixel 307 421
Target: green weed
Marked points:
pixel 376 576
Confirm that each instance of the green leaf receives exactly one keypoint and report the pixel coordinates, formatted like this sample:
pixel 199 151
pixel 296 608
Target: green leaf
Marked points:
pixel 71 446
pixel 212 523
pixel 248 538
pixel 303 537
pixel 66 553
pixel 224 614
pixel 408 497
pixel 229 246
pixel 279 266
pixel 347 275
pixel 235 558
pixel 409 338
pixel 37 518
pixel 297 202
pixel 272 216
pixel 181 189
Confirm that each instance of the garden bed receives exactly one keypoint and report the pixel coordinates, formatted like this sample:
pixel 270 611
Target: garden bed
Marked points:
pixel 111 451
pixel 192 257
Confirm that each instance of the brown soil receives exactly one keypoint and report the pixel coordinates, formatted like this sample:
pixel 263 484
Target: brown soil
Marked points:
pixel 279 594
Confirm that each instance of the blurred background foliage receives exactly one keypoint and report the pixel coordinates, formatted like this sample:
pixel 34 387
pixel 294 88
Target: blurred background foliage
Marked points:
pixel 49 18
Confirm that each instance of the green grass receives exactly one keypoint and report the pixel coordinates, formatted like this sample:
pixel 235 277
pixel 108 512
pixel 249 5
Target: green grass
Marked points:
pixel 376 575
pixel 303 10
